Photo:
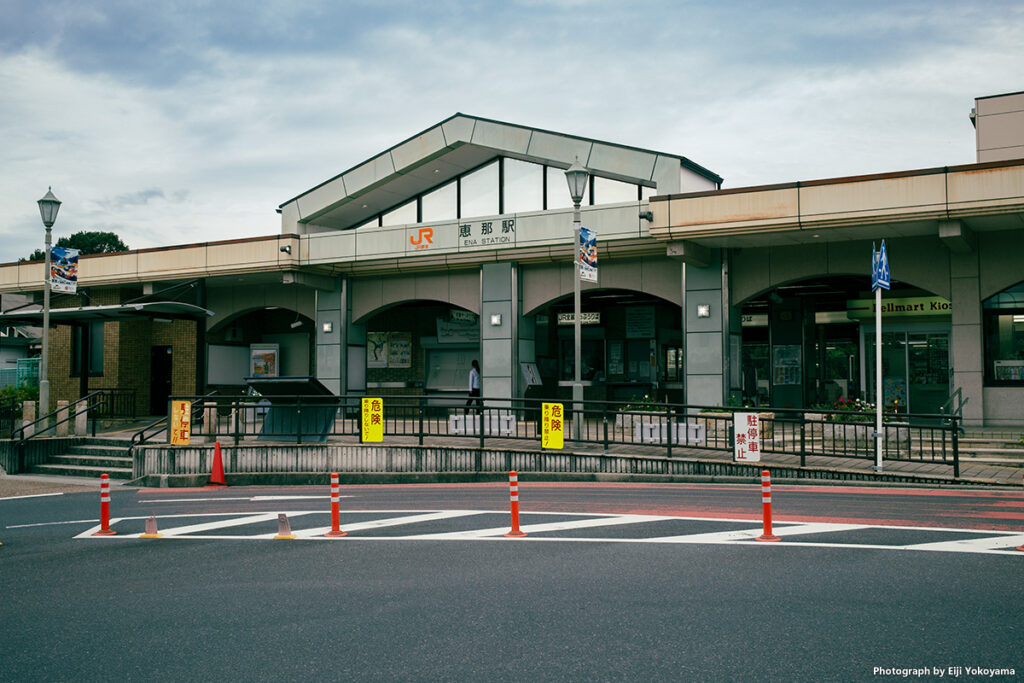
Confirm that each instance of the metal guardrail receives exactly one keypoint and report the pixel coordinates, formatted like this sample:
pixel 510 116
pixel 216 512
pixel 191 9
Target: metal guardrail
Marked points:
pixel 10 411
pixel 158 427
pixel 665 426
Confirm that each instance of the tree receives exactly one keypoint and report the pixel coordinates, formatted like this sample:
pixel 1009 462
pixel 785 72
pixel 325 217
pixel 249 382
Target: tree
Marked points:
pixel 87 242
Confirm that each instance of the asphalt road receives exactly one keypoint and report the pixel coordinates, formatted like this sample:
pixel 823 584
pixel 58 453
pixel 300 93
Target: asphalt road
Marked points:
pixel 570 602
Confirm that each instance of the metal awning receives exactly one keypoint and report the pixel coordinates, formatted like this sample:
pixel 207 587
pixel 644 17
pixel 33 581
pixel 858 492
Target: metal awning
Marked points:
pixel 156 310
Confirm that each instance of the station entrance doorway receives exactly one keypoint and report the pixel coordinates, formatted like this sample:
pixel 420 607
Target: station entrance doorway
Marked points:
pixel 810 343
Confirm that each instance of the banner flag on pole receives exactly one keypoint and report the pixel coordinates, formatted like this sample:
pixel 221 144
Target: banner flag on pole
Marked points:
pixel 63 270
pixel 588 254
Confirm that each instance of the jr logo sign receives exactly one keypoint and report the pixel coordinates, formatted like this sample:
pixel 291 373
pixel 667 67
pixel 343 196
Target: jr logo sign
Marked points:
pixel 423 239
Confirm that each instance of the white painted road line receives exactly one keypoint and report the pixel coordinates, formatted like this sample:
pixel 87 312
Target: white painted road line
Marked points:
pixel 391 521
pixel 73 521
pixel 987 541
pixel 973 545
pixel 34 495
pixel 748 534
pixel 612 520
pixel 251 499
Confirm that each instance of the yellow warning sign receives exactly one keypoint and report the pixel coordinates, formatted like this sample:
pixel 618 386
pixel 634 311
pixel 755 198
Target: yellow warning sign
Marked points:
pixel 181 422
pixel 553 424
pixel 373 420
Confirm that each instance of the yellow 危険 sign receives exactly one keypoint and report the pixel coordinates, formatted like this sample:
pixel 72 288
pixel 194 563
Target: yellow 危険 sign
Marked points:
pixel 373 420
pixel 553 425
pixel 181 422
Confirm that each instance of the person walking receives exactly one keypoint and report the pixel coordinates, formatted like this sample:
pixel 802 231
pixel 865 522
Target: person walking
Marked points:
pixel 474 385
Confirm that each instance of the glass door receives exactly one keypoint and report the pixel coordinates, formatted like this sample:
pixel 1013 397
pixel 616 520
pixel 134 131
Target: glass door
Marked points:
pixel 915 370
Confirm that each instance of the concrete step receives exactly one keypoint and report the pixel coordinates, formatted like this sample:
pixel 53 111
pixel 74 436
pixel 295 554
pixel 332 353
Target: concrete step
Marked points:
pixel 98 460
pixel 1008 452
pixel 83 471
pixel 99 450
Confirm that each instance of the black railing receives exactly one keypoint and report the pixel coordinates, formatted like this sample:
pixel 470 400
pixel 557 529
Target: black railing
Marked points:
pixel 113 404
pixel 10 411
pixel 660 426
pixel 158 427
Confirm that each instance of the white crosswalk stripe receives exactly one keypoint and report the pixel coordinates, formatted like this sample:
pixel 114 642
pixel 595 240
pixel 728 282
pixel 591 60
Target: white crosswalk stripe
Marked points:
pixel 792 534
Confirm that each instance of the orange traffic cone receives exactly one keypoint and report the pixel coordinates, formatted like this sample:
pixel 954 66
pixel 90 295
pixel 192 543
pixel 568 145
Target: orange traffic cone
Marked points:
pixel 284 529
pixel 217 473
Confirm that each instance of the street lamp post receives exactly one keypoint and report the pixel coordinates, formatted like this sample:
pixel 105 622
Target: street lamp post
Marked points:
pixel 48 207
pixel 577 177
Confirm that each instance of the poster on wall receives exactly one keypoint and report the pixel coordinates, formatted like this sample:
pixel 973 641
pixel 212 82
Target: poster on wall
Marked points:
pixel 786 365
pixel 264 360
pixel 376 349
pixel 615 360
pixel 640 322
pixel 458 330
pixel 400 350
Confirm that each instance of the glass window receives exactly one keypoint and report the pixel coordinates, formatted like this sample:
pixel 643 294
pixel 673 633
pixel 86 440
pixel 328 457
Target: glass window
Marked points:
pixel 558 190
pixel 372 223
pixel 1004 336
pixel 479 194
pixel 607 191
pixel 648 192
pixel 1005 347
pixel 524 186
pixel 406 213
pixel 439 204
pixel 95 330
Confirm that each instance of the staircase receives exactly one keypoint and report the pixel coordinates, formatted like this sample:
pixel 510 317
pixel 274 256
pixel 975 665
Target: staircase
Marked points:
pixel 1004 449
pixel 91 459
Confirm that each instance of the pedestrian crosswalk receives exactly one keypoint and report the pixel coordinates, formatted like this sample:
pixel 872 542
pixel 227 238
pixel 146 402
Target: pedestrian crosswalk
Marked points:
pixel 485 525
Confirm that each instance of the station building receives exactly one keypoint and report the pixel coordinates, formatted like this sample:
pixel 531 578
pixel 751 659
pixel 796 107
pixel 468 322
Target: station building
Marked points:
pixel 457 244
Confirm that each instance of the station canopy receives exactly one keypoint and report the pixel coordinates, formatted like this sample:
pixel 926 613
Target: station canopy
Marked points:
pixel 153 310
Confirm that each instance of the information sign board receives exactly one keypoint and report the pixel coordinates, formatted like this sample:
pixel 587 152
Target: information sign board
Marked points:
pixel 373 420
pixel 181 422
pixel 746 437
pixel 553 425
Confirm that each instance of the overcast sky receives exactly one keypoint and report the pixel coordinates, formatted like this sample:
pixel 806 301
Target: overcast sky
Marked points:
pixel 177 122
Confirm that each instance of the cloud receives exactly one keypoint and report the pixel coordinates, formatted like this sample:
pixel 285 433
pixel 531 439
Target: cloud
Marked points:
pixel 180 122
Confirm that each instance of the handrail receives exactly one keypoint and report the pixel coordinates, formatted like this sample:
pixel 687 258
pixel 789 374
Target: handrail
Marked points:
pixel 140 437
pixel 956 414
pixel 45 419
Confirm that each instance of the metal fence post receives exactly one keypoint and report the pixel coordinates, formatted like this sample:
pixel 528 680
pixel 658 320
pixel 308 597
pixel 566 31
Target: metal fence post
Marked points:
pixel 419 403
pixel 668 429
pixel 481 411
pixel 955 436
pixel 236 406
pixel 604 419
pixel 298 419
pixel 803 441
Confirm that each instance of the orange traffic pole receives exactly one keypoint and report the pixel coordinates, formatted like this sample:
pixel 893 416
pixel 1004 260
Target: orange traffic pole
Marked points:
pixel 335 512
pixel 513 485
pixel 105 529
pixel 766 506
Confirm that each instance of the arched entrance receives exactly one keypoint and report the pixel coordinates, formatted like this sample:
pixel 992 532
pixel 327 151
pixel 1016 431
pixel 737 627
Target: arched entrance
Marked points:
pixel 420 348
pixel 631 347
pixel 811 342
pixel 269 341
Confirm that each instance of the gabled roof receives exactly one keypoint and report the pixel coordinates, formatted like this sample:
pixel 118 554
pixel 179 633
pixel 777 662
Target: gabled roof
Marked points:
pixel 458 145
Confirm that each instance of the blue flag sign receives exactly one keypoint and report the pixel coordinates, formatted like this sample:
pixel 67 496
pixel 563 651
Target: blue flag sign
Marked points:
pixel 63 270
pixel 879 268
pixel 588 255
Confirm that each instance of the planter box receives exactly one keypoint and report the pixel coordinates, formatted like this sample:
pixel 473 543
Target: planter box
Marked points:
pixel 858 436
pixel 494 425
pixel 683 433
